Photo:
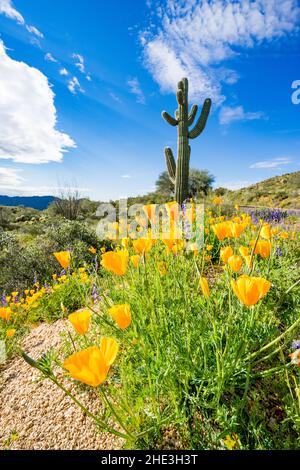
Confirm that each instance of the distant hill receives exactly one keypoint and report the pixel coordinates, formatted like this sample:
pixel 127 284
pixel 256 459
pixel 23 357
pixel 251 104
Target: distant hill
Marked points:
pixel 34 202
pixel 280 191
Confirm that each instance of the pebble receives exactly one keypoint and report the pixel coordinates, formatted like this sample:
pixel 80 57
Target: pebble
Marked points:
pixel 39 413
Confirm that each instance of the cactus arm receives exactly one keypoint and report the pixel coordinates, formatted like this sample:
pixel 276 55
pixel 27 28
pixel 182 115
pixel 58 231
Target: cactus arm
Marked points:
pixel 192 114
pixel 171 165
pixel 200 125
pixel 180 97
pixel 169 119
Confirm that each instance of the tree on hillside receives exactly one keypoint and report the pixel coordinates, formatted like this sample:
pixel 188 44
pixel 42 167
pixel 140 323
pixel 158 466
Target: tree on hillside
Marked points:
pixel 200 182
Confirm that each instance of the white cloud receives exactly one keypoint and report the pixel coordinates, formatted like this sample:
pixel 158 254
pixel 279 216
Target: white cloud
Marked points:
pixel 49 57
pixel 28 132
pixel 7 9
pixel 126 176
pixel 228 115
pixel 234 185
pixel 135 89
pixel 74 86
pixel 274 163
pixel 35 31
pixel 195 37
pixel 79 62
pixel 63 72
pixel 27 190
pixel 10 177
pixel 115 97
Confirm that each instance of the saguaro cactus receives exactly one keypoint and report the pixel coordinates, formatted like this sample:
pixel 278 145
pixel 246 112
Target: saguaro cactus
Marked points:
pixel 179 172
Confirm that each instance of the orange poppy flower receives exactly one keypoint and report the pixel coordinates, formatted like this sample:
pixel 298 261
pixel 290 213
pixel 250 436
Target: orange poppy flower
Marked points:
pixel 121 314
pixel 115 261
pixel 250 290
pixel 80 321
pixel 225 253
pixel 92 365
pixel 204 287
pixel 64 258
pixel 235 262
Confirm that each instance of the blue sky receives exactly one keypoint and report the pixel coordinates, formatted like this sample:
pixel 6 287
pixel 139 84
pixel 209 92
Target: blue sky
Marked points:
pixel 83 83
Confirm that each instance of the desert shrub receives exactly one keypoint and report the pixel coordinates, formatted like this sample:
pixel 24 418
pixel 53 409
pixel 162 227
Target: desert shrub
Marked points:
pixel 22 263
pixel 71 296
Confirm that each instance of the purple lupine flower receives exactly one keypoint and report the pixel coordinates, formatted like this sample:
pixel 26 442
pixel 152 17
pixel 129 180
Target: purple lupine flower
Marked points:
pixel 278 251
pixel 95 294
pixel 296 344
pixel 47 287
pixel 186 225
pixel 4 301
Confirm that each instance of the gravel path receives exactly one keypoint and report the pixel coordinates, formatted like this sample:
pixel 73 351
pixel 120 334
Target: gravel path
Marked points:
pixel 36 414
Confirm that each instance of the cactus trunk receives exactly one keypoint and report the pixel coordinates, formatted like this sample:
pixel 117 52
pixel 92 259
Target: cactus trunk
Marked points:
pixel 179 172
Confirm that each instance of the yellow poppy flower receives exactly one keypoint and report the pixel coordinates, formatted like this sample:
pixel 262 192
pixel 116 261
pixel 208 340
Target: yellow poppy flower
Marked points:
pixel 92 250
pixel 142 245
pixel 115 262
pixel 135 259
pixel 248 261
pixel 263 248
pixel 5 313
pixel 222 230
pixel 217 201
pixel 284 235
pixel 80 321
pixel 250 290
pixel 225 253
pixel 244 251
pixel 125 242
pixel 121 314
pixel 149 209
pixel 10 333
pixel 235 262
pixel 204 287
pixel 92 365
pixel 64 258
pixel 266 232
pixel 236 229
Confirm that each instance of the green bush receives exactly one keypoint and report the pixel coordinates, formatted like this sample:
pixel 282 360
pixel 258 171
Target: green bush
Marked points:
pixel 21 263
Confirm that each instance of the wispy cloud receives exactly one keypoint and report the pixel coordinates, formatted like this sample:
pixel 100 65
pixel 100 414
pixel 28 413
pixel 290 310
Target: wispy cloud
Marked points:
pixel 194 38
pixel 135 89
pixel 74 86
pixel 234 185
pixel 79 62
pixel 274 163
pixel 49 57
pixel 115 97
pixel 28 131
pixel 10 177
pixel 35 31
pixel 126 176
pixel 7 9
pixel 63 72
pixel 228 115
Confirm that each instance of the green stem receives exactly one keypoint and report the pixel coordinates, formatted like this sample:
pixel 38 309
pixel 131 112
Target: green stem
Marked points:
pixel 275 341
